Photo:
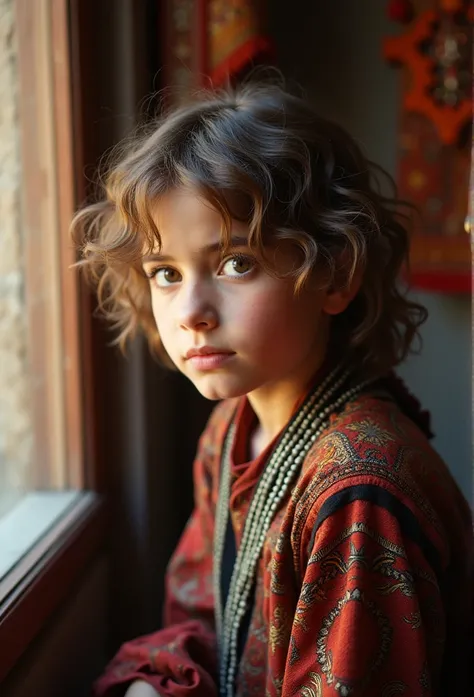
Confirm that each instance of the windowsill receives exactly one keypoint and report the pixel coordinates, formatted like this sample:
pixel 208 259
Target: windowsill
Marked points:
pixel 46 573
pixel 28 521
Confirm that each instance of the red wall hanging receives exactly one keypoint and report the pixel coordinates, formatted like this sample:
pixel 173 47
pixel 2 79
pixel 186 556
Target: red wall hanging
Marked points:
pixel 209 41
pixel 434 140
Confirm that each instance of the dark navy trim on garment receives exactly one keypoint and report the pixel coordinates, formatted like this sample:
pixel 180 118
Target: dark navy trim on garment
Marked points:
pixel 409 524
pixel 228 560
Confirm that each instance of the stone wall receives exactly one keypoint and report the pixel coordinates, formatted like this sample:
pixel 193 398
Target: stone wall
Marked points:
pixel 15 421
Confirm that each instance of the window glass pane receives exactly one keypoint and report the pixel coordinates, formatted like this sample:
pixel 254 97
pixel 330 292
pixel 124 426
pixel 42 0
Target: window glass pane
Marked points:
pixel 40 453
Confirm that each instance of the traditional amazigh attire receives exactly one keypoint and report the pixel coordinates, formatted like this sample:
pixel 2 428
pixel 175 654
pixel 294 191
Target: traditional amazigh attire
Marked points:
pixel 365 583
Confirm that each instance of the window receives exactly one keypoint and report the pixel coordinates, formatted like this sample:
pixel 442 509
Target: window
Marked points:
pixel 39 475
pixel 44 502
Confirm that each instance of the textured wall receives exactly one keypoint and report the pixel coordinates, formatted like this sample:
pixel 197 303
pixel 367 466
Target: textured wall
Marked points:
pixel 15 424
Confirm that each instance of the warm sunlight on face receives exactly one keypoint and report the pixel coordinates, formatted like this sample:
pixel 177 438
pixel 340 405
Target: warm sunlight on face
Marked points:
pixel 229 326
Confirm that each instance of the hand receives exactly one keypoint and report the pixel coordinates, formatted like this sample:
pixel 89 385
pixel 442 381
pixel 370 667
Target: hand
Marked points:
pixel 140 688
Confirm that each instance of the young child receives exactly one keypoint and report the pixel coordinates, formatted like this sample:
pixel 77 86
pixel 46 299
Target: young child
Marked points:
pixel 330 552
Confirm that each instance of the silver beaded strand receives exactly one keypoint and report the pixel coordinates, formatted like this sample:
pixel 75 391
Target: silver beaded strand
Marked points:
pixel 272 488
pixel 301 420
pixel 222 510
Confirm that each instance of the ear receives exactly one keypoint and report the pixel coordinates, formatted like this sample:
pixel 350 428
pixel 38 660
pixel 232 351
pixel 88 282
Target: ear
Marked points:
pixel 336 301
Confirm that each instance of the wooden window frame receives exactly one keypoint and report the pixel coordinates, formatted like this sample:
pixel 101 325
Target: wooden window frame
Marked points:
pixel 61 340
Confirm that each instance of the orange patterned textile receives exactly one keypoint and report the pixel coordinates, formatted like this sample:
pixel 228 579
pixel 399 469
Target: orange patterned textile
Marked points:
pixel 435 50
pixel 236 38
pixel 212 40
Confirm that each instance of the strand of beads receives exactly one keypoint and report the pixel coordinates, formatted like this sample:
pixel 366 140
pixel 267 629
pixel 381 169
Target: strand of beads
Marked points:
pixel 274 485
pixel 296 437
pixel 220 528
pixel 290 446
pixel 301 419
pixel 247 572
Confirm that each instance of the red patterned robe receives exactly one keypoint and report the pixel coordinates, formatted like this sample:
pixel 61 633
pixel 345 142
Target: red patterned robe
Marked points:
pixel 365 586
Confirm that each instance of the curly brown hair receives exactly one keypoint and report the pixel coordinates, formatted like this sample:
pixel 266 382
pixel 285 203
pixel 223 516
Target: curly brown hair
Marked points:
pixel 303 178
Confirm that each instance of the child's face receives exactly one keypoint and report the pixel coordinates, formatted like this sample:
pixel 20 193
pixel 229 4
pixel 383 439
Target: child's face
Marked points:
pixel 256 330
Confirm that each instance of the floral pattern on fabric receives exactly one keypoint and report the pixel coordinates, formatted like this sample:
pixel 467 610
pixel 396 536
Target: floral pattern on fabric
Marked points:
pixel 364 587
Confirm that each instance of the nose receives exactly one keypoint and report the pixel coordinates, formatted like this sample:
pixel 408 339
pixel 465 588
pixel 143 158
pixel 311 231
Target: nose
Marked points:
pixel 197 310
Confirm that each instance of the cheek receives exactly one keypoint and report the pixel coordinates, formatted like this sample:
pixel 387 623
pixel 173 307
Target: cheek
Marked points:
pixel 278 318
pixel 252 313
pixel 256 317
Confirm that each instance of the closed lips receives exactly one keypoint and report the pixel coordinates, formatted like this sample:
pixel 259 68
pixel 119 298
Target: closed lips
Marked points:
pixel 207 351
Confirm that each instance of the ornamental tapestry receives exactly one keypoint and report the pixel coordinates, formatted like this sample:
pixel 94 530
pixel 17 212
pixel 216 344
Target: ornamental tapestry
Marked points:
pixel 434 48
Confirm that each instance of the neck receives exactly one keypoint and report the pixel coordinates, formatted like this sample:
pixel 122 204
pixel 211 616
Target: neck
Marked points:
pixel 274 406
pixel 272 416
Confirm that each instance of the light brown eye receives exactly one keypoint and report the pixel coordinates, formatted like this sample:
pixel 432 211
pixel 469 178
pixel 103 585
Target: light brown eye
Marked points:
pixel 238 266
pixel 166 276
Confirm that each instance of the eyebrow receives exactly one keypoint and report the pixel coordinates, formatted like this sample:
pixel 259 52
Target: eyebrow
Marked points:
pixel 208 249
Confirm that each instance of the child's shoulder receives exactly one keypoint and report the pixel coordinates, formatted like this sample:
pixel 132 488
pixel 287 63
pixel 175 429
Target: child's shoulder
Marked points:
pixel 372 447
pixel 373 431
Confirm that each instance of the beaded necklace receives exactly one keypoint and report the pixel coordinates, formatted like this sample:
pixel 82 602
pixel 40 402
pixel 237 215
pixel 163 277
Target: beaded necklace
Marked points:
pixel 273 486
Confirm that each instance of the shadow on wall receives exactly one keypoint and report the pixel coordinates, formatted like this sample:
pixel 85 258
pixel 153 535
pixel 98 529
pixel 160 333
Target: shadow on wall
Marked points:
pixel 334 51
pixel 441 378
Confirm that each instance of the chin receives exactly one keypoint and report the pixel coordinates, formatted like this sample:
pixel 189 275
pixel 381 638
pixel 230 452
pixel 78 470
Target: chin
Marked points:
pixel 216 388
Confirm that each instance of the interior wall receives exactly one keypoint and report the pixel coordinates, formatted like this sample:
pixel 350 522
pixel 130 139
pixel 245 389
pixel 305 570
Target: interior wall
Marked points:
pixel 334 51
